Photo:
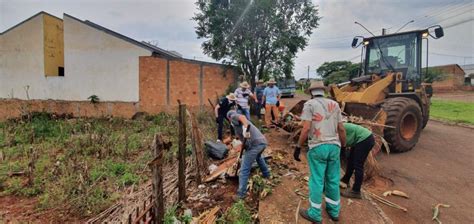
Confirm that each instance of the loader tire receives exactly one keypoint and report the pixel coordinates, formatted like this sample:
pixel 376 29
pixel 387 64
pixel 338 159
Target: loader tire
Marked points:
pixel 405 115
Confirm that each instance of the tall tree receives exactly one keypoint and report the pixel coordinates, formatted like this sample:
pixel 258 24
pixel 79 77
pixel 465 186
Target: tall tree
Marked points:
pixel 338 71
pixel 329 67
pixel 260 36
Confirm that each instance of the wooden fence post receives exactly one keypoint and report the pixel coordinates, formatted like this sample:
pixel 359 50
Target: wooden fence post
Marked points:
pixel 197 144
pixel 159 147
pixel 182 153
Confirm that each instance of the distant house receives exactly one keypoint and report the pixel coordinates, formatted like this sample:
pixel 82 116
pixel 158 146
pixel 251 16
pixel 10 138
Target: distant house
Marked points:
pixel 469 77
pixel 454 78
pixel 46 58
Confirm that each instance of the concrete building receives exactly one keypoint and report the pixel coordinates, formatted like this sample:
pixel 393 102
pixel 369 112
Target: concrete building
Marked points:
pixel 45 58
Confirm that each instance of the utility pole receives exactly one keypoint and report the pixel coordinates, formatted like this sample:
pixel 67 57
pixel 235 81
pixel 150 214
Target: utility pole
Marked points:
pixel 308 72
pixel 307 80
pixel 384 31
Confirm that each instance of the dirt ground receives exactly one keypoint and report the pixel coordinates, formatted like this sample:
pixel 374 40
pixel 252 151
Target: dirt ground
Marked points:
pixel 460 96
pixel 24 210
pixel 437 170
pixel 282 204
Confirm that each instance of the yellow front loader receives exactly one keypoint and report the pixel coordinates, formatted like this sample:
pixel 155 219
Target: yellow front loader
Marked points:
pixel 390 90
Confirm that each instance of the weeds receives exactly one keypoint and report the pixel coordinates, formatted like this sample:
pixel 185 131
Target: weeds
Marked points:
pixel 237 214
pixel 78 164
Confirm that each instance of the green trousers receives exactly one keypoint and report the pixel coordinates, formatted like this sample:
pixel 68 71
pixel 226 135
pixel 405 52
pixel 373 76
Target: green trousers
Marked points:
pixel 324 165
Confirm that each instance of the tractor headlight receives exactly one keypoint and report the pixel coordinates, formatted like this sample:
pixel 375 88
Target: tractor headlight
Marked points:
pixel 425 35
pixel 366 42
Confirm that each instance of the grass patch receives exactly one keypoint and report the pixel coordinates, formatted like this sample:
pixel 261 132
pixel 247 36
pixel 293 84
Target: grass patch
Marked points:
pixel 81 165
pixel 237 214
pixel 300 91
pixel 459 112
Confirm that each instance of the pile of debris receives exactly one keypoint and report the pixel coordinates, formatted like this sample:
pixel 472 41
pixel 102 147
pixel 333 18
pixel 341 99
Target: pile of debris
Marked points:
pixel 291 122
pixel 214 195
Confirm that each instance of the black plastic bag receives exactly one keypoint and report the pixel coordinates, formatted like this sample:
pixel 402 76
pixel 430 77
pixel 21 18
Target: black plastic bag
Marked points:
pixel 216 150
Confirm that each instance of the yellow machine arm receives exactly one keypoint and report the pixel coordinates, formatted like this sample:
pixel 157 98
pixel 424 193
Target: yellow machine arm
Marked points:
pixel 371 94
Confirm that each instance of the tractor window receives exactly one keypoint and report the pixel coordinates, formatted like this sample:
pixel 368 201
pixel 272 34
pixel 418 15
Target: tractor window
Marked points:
pixel 393 53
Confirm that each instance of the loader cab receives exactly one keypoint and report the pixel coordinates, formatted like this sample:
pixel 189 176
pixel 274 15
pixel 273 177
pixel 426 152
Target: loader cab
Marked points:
pixel 399 52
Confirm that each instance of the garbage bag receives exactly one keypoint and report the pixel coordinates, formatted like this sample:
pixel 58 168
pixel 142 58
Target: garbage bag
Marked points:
pixel 216 150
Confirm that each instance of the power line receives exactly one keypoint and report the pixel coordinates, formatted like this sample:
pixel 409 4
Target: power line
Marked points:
pixel 431 16
pixel 451 55
pixel 428 14
pixel 458 23
pixel 353 58
pixel 470 10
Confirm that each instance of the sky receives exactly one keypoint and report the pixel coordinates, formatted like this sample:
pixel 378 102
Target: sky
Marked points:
pixel 168 23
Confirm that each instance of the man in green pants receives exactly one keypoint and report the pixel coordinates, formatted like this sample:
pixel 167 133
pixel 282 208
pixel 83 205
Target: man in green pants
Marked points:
pixel 323 127
pixel 360 140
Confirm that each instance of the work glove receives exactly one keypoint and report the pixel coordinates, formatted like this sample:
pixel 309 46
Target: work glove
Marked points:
pixel 296 153
pixel 246 131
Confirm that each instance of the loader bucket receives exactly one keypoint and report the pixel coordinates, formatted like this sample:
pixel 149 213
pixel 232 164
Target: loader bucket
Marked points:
pixel 371 117
pixel 297 109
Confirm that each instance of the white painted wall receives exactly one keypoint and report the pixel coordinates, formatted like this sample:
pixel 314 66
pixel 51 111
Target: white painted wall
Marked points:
pixel 98 63
pixel 21 61
pixel 95 63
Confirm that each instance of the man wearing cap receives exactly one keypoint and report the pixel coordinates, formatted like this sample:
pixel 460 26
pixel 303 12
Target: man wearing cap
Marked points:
pixel 271 96
pixel 259 92
pixel 255 143
pixel 324 130
pixel 243 93
pixel 225 104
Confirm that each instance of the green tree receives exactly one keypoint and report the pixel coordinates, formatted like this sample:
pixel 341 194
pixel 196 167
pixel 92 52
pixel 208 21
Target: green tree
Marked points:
pixel 329 67
pixel 260 36
pixel 337 77
pixel 433 75
pixel 338 71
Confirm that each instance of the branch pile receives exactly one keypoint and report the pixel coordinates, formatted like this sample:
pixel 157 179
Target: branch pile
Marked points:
pixel 291 122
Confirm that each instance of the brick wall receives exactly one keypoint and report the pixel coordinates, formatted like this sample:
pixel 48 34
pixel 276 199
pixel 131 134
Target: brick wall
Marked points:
pixel 190 81
pixel 454 78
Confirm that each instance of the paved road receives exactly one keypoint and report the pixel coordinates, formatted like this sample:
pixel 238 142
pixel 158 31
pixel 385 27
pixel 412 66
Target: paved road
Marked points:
pixel 440 169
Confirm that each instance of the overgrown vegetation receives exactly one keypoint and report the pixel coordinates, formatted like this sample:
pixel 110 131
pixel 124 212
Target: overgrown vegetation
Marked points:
pixel 80 165
pixel 432 75
pixel 237 214
pixel 459 112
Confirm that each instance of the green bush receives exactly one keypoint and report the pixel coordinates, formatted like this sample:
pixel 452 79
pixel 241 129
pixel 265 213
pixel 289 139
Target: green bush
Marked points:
pixel 237 214
pixel 129 179
pixel 116 168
